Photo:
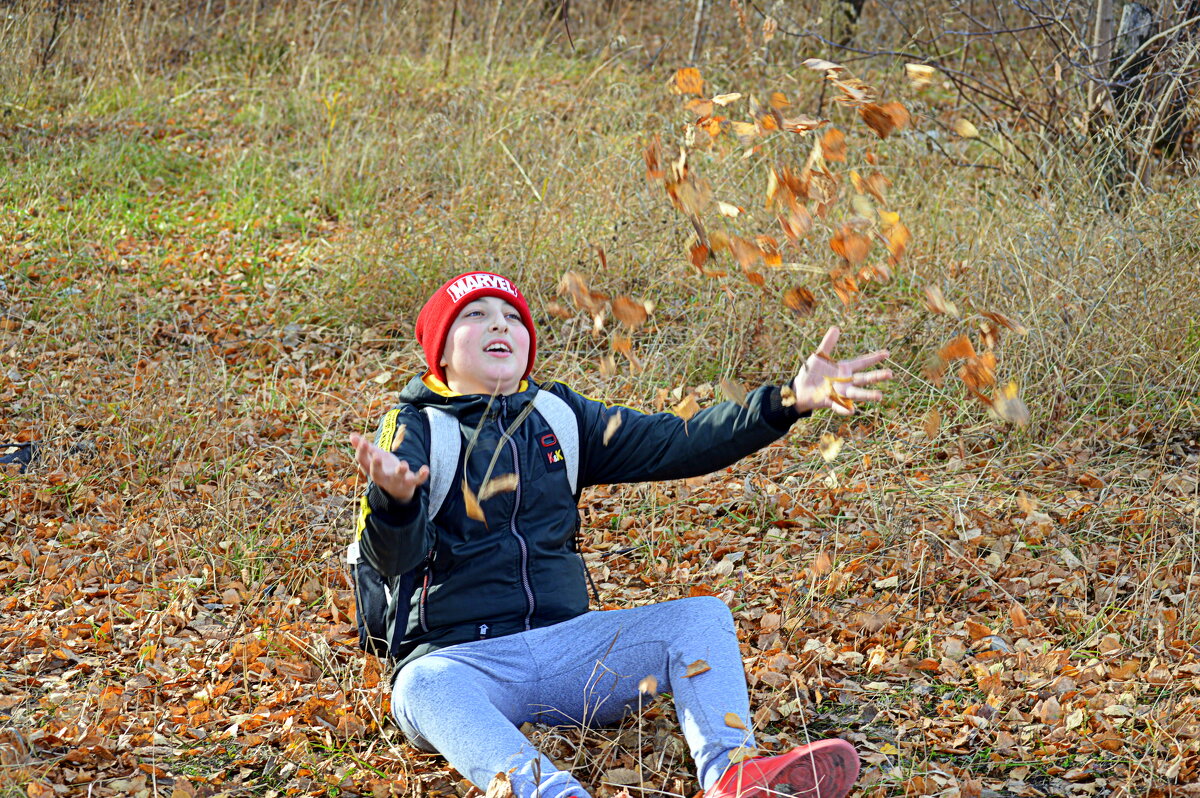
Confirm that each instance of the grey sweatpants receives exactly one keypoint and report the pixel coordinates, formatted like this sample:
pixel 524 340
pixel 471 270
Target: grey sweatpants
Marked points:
pixel 466 701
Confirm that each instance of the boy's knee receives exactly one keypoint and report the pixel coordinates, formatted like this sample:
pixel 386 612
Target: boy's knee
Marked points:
pixel 708 609
pixel 419 689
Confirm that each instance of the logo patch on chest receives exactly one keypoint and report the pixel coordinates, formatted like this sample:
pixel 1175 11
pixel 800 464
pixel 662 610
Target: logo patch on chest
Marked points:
pixel 552 453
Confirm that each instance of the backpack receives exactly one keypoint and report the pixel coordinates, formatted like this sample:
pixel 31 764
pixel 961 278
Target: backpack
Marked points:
pixel 382 603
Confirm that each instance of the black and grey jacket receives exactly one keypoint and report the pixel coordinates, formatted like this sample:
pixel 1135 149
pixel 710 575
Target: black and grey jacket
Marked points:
pixel 519 570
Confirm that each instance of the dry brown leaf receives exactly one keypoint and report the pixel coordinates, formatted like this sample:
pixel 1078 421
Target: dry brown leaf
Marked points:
pixel 821 65
pixel 734 722
pixel 688 407
pixel 474 511
pixel 800 301
pixel 831 446
pixel 932 424
pixel 631 313
pixel 957 349
pixel 505 483
pixel 734 391
pixel 1009 406
pixel 1005 321
pixel 696 668
pixel 851 245
pixel 556 310
pixel 965 129
pixel 398 437
pixel 936 302
pixel 778 100
pixel 698 255
pixel 884 119
pixel 833 145
pixel 728 209
pixel 919 75
pixel 726 99
pixel 622 776
pixel 897 240
pixel 687 81
pixel 500 787
pixel 610 429
pixel 743 754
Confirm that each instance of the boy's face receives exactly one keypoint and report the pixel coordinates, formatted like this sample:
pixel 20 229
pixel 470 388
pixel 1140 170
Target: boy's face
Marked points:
pixel 487 348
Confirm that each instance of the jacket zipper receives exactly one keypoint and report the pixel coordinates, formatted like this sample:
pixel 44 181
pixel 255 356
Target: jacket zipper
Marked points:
pixel 512 525
pixel 421 604
pixel 425 592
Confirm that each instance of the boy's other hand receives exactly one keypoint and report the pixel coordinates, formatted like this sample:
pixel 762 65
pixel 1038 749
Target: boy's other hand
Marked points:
pixel 821 374
pixel 390 473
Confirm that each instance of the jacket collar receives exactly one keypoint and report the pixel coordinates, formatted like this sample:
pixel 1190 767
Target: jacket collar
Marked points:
pixel 428 390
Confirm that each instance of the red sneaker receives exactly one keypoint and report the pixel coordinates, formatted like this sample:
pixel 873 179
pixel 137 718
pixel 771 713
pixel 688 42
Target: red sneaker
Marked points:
pixel 824 769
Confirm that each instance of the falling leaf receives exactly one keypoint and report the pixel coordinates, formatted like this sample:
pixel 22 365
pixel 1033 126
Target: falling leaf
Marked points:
pixel 653 158
pixel 932 424
pixel 936 301
pixel 474 511
pixel 687 81
pixel 734 722
pixel 957 349
pixel 831 446
pixel 833 145
pixel 631 313
pixel 851 245
pixel 884 119
pixel 965 129
pixel 556 310
pixel 648 685
pixel 608 365
pixel 698 255
pixel 727 209
pixel 610 429
pixel 801 124
pixel 919 75
pixel 505 483
pixel 688 407
pixel 398 437
pixel 1005 321
pixel 768 29
pixel 800 301
pixel 897 240
pixel 696 668
pixel 787 397
pixel 1009 406
pixel 734 391
pixel 778 100
pixel 821 65
pixel 726 99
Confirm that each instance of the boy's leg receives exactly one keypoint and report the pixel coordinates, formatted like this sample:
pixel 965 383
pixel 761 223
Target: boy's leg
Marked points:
pixel 465 702
pixel 589 668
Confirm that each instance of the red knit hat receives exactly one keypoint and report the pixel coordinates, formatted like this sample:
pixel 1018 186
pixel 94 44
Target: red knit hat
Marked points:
pixel 440 311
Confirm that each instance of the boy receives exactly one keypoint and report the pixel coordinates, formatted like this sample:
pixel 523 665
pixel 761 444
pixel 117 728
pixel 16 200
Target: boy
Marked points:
pixel 499 632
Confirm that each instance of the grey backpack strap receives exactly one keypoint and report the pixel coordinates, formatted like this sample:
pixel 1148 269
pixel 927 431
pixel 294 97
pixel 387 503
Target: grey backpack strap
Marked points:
pixel 445 442
pixel 565 425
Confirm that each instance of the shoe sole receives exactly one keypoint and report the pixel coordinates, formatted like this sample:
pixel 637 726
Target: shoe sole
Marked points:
pixel 824 769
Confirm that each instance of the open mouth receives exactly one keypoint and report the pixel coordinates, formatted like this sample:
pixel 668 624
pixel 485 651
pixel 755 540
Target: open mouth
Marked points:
pixel 498 348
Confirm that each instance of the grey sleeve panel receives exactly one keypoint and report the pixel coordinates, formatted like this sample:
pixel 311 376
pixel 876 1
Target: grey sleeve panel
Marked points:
pixel 565 424
pixel 445 441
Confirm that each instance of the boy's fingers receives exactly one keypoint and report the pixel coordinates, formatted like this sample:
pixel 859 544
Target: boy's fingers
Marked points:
pixel 829 341
pixel 871 377
pixel 866 361
pixel 859 395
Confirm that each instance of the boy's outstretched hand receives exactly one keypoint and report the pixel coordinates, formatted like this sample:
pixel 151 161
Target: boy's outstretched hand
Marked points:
pixel 838 384
pixel 390 473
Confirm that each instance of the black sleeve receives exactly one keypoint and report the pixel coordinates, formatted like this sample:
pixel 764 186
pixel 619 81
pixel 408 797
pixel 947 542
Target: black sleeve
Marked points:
pixel 645 447
pixel 394 536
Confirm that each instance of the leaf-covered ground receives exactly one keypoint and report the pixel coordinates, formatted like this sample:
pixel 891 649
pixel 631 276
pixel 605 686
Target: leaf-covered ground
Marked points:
pixel 210 281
